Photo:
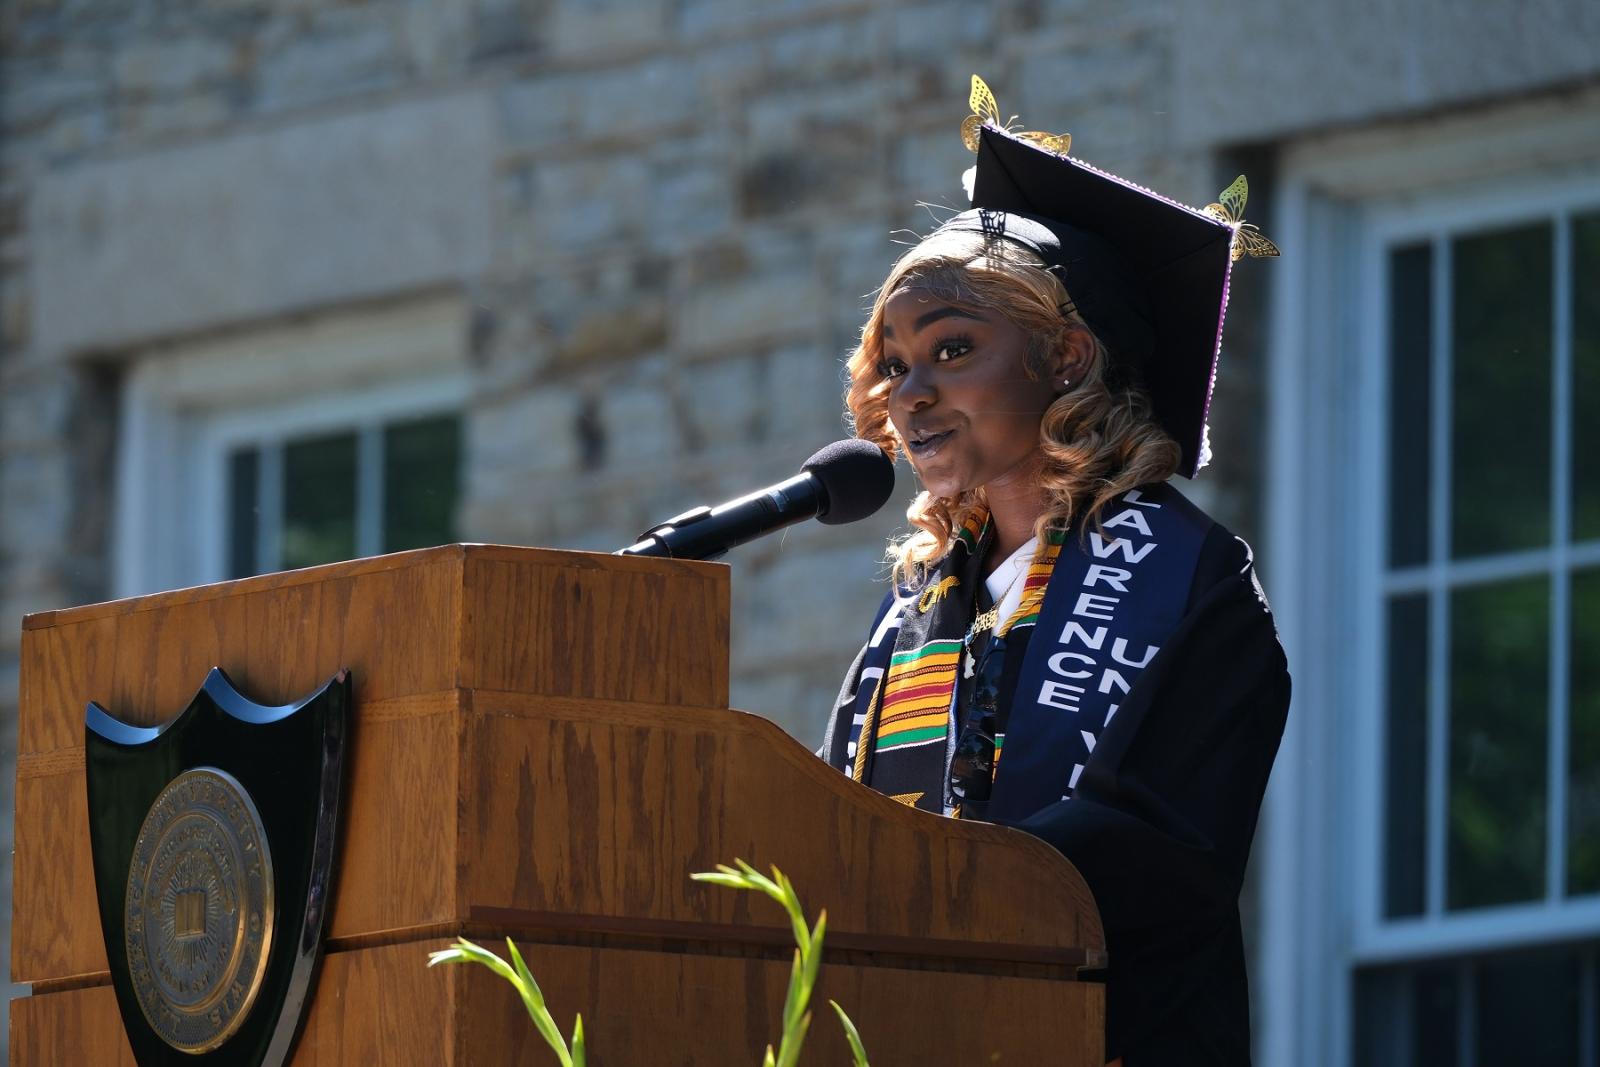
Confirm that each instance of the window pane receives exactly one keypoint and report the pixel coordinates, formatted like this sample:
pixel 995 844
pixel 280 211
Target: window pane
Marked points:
pixel 1586 376
pixel 1437 1015
pixel 1500 465
pixel 1410 407
pixel 1583 796
pixel 1528 1010
pixel 244 511
pixel 319 500
pixel 420 464
pixel 1380 1019
pixel 1499 717
pixel 1405 808
pixel 1408 1016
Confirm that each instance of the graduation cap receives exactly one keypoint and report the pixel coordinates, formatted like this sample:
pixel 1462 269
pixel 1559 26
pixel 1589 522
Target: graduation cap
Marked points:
pixel 1148 275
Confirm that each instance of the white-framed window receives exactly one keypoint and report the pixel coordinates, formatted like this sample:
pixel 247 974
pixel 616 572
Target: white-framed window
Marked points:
pixel 327 438
pixel 1433 831
pixel 308 483
pixel 1486 840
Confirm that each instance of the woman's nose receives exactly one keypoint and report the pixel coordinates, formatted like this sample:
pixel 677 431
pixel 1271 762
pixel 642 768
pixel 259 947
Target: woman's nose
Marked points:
pixel 916 390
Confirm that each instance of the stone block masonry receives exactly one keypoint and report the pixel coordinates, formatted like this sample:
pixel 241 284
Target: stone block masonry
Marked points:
pixel 668 219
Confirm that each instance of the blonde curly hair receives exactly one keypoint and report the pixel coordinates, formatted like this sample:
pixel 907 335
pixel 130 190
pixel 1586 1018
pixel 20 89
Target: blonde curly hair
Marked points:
pixel 1098 440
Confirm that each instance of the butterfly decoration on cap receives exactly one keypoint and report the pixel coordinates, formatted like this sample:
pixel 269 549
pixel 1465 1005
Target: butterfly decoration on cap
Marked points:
pixel 985 112
pixel 1247 239
pixel 1229 208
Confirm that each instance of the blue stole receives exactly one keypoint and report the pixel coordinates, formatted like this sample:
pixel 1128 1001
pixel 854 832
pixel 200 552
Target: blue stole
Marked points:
pixel 1112 601
pixel 1114 597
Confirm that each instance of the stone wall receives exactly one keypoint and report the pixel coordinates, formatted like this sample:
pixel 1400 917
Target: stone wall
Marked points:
pixel 1260 70
pixel 666 217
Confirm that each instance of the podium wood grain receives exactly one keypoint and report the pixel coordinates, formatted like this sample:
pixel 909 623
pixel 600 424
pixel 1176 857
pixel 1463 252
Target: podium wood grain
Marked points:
pixel 542 747
pixel 640 1009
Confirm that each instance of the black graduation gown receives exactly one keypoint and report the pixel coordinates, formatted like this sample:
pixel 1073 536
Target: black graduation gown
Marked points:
pixel 1161 820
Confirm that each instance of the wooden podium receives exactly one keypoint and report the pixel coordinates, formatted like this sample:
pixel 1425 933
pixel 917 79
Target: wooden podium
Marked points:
pixel 542 748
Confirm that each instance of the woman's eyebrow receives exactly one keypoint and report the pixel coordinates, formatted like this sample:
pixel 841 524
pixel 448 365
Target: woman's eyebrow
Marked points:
pixel 928 318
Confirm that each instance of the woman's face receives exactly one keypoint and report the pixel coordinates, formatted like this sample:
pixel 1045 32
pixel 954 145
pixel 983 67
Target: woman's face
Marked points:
pixel 960 398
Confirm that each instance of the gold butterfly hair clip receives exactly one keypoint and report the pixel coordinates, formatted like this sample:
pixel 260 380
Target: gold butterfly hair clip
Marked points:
pixel 1247 239
pixel 985 112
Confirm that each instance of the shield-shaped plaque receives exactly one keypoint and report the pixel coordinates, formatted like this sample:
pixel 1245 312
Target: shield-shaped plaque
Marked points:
pixel 213 840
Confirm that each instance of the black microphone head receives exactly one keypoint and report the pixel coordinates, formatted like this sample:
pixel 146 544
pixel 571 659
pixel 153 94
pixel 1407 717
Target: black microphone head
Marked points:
pixel 856 476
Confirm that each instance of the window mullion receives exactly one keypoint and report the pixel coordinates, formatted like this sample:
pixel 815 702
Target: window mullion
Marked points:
pixel 1437 821
pixel 1481 570
pixel 1560 540
pixel 369 490
pixel 1501 567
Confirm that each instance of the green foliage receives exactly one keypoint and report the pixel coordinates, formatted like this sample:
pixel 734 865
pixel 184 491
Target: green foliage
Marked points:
pixel 796 1003
pixel 516 972
pixel 807 960
pixel 852 1035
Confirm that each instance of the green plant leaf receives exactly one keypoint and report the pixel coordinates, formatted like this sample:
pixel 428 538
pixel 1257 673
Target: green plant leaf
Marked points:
pixel 464 951
pixel 525 976
pixel 762 882
pixel 813 962
pixel 731 881
pixel 803 973
pixel 803 970
pixel 794 1000
pixel 852 1035
pixel 789 1052
pixel 797 916
pixel 533 1000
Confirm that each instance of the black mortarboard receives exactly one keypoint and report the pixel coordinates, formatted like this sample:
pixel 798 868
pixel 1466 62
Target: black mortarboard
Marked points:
pixel 1149 275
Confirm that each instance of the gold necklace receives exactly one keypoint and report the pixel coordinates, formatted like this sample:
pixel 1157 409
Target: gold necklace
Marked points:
pixel 985 621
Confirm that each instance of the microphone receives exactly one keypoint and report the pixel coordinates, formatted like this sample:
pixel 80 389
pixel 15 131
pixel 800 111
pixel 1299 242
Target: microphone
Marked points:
pixel 843 482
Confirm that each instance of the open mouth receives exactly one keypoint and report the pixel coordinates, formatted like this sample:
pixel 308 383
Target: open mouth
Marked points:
pixel 922 444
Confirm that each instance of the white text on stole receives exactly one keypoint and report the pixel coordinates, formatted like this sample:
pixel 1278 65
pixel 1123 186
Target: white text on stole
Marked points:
pixel 1082 655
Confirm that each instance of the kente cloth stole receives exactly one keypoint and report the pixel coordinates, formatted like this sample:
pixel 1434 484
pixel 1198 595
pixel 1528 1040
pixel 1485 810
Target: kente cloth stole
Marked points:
pixel 1101 608
pixel 903 702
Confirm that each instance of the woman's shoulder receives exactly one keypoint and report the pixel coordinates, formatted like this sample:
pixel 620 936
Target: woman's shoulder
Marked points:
pixel 1224 555
pixel 1227 560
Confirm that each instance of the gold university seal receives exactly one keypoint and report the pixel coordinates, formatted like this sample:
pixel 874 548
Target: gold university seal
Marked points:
pixel 199 910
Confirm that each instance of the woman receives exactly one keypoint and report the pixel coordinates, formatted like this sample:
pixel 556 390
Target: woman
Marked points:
pixel 1072 647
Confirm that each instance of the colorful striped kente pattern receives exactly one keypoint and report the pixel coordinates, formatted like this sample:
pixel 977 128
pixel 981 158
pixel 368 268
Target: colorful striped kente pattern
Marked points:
pixel 916 695
pixel 971 530
pixel 920 682
pixel 1033 586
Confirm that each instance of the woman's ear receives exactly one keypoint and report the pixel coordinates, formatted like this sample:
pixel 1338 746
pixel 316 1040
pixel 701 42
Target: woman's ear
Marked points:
pixel 1074 357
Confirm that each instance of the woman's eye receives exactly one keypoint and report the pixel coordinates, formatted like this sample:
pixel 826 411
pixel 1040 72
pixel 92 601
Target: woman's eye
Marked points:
pixel 945 351
pixel 891 368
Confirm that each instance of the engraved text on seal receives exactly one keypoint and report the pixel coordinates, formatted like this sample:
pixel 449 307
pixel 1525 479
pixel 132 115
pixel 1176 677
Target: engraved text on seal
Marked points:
pixel 199 909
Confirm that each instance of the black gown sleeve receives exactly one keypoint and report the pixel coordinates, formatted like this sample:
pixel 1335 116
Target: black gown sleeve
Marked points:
pixel 1161 821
